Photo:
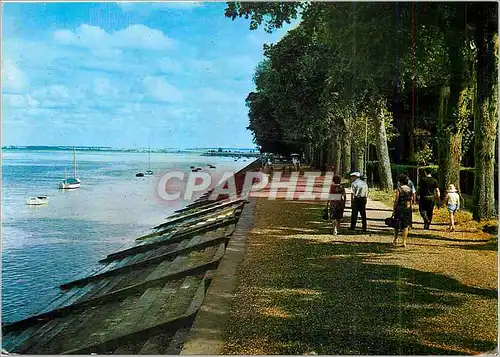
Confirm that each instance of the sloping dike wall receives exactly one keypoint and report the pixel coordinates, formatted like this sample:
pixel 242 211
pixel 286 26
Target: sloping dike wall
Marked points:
pixel 141 300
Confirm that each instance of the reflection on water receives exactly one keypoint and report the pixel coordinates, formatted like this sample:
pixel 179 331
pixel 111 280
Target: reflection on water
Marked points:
pixel 45 246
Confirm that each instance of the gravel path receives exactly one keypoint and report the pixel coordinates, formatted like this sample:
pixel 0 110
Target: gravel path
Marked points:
pixel 303 290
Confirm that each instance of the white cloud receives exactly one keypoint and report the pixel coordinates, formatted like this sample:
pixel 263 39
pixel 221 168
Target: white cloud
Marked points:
pixel 158 89
pixel 202 65
pixel 146 8
pixel 242 64
pixel 256 40
pixel 169 65
pixel 132 37
pixel 20 101
pixel 103 88
pixel 142 36
pixel 184 5
pixel 211 95
pixel 14 80
pixel 52 92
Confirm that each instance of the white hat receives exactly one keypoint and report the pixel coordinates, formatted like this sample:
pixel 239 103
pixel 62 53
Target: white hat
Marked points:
pixel 355 173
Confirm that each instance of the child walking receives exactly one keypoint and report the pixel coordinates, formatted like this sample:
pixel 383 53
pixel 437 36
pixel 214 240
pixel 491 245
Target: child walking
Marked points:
pixel 452 201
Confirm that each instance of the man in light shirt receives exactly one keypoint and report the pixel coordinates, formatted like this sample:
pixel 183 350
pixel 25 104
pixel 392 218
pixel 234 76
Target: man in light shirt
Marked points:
pixel 359 195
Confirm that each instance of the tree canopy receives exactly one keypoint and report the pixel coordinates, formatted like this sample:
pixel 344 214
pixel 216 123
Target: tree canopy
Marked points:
pixel 421 76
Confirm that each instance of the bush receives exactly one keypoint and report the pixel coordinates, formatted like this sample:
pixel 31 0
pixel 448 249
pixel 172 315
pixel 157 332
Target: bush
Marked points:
pixel 466 174
pixel 396 170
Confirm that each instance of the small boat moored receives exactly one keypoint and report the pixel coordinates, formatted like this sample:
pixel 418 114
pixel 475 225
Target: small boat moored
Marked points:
pixel 140 174
pixel 72 182
pixel 37 201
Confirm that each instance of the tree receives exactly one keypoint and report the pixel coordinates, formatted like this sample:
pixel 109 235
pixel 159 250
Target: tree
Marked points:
pixel 435 60
pixel 485 19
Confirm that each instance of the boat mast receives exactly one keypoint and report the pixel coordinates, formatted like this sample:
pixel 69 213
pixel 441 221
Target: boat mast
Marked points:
pixel 74 163
pixel 149 157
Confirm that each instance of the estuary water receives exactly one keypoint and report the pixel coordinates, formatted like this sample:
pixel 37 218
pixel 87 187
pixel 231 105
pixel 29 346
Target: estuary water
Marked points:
pixel 44 246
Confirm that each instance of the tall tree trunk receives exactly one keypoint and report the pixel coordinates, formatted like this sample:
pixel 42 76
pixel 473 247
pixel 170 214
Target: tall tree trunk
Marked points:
pixel 360 160
pixel 450 133
pixel 317 157
pixel 337 157
pixel 307 154
pixel 331 151
pixel 357 159
pixel 346 153
pixel 441 135
pixel 324 154
pixel 486 117
pixel 336 152
pixel 384 163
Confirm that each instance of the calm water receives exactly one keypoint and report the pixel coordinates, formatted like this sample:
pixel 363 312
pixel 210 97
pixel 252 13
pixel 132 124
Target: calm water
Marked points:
pixel 45 246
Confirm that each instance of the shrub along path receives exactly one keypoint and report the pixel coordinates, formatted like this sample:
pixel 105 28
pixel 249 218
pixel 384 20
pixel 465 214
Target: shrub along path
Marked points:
pixel 304 291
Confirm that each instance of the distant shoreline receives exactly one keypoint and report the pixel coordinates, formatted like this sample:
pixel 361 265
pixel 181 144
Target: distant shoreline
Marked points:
pixel 231 152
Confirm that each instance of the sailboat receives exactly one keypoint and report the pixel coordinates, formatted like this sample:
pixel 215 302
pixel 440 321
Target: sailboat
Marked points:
pixel 149 172
pixel 72 182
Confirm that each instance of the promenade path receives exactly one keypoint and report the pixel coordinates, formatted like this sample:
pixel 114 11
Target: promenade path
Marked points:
pixel 303 290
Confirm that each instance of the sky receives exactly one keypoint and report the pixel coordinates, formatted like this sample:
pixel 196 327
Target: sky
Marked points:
pixel 127 75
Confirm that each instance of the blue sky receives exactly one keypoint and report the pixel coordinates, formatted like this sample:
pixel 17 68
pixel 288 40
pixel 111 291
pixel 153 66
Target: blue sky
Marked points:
pixel 126 74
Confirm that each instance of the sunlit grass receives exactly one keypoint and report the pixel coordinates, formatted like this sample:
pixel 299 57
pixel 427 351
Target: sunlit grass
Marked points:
pixel 314 293
pixel 386 197
pixel 463 217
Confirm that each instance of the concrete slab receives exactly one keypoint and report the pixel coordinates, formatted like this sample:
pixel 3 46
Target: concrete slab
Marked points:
pixel 206 335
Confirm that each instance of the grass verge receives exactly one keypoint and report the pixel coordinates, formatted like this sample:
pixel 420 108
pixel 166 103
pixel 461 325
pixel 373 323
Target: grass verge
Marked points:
pixel 304 291
pixel 462 218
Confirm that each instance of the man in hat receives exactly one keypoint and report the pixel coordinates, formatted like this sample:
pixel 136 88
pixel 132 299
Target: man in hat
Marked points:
pixel 359 195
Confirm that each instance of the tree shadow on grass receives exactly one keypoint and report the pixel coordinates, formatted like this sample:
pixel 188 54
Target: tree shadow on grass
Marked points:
pixel 333 298
pixel 490 245
pixel 346 305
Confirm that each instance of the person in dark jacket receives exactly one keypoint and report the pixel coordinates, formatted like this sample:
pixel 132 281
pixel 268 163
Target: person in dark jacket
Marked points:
pixel 337 205
pixel 428 193
pixel 402 209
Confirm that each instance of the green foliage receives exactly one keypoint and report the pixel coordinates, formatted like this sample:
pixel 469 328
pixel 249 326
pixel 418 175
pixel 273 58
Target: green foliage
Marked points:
pixel 424 155
pixel 346 61
pixel 272 14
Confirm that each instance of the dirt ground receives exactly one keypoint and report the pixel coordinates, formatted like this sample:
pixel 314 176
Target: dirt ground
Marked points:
pixel 303 290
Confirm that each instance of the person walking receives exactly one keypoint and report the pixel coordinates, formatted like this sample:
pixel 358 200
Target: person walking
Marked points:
pixel 337 205
pixel 402 209
pixel 359 195
pixel 413 190
pixel 428 192
pixel 452 201
pixel 413 196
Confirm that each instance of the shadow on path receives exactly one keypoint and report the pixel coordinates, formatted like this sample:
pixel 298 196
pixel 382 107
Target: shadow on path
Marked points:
pixel 304 294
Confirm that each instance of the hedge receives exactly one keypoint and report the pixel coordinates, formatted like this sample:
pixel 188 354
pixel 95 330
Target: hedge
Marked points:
pixel 466 174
